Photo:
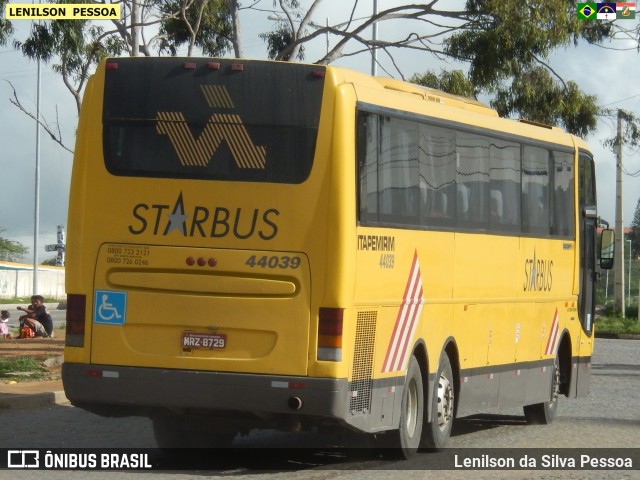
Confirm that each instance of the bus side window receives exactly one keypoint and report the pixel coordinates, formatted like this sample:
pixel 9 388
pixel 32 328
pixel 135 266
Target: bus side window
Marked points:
pixel 367 167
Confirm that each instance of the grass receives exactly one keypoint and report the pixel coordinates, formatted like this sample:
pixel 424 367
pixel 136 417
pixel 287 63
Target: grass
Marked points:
pixel 22 368
pixel 618 325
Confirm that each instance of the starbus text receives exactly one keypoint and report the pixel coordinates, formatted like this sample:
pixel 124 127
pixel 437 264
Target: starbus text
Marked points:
pixel 218 222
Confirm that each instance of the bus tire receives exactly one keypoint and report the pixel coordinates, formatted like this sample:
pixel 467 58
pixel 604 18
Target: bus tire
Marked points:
pixel 544 413
pixel 174 431
pixel 438 429
pixel 405 441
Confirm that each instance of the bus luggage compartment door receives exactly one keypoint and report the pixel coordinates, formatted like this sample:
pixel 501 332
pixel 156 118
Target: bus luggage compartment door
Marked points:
pixel 201 309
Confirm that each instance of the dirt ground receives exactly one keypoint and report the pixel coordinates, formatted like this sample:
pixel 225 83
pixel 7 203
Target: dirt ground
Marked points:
pixel 39 348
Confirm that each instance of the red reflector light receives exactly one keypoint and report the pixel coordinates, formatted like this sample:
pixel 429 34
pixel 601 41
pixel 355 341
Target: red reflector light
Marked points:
pixel 296 385
pixel 189 65
pixel 237 67
pixel 75 320
pixel 330 321
pixel 213 65
pixel 111 66
pixel 318 73
pixel 191 261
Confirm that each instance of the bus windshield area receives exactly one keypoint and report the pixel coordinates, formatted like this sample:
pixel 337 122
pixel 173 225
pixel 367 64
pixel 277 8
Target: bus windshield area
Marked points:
pixel 171 118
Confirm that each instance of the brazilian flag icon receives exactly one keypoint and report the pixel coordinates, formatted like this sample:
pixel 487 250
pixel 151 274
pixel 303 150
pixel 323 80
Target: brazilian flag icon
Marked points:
pixel 587 11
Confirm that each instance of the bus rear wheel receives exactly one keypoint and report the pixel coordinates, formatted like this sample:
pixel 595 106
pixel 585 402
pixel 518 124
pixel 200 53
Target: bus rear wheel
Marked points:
pixel 438 430
pixel 405 441
pixel 544 413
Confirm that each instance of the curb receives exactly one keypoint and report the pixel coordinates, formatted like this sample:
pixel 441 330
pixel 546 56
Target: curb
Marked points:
pixel 618 336
pixel 23 401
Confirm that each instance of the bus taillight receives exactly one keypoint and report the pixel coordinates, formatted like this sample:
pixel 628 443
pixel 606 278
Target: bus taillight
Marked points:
pixel 330 334
pixel 76 305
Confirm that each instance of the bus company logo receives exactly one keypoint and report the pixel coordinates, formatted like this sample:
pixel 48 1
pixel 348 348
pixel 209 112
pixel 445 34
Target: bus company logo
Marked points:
pixel 203 221
pixel 538 276
pixel 220 128
pixel 23 459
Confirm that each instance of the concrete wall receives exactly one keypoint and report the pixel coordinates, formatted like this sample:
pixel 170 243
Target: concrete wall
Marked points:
pixel 16 281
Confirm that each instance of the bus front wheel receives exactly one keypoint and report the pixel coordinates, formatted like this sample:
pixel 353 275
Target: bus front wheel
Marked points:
pixel 438 430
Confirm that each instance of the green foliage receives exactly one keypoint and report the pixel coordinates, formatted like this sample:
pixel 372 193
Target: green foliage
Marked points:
pixel 506 45
pixel 209 19
pixel 10 250
pixel 454 82
pixel 279 39
pixel 505 39
pixel 619 325
pixel 535 95
pixel 78 43
pixel 630 128
pixel 22 368
pixel 634 236
pixel 20 364
pixel 6 28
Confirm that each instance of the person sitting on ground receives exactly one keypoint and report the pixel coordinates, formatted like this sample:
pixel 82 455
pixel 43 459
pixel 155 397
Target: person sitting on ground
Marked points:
pixel 29 326
pixel 42 314
pixel 4 327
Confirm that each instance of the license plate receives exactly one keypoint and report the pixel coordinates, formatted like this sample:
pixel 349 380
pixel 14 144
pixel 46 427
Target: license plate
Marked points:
pixel 209 341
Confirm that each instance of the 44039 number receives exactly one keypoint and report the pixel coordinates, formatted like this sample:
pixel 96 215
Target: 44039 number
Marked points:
pixel 275 261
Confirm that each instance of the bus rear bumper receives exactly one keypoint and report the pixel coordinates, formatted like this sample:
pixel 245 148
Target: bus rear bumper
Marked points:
pixel 121 391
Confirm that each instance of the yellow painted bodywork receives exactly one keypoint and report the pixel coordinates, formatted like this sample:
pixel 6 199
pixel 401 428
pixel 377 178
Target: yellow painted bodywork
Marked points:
pixel 474 285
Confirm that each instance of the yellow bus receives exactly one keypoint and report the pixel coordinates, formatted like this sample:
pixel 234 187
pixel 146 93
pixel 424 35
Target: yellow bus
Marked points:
pixel 255 243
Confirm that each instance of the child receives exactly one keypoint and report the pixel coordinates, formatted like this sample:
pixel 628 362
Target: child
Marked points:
pixel 4 328
pixel 29 326
pixel 42 314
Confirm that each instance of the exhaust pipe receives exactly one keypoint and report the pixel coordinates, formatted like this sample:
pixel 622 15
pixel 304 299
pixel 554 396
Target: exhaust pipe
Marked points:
pixel 295 403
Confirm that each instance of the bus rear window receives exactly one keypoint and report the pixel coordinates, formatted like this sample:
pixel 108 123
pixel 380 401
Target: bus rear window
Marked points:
pixel 257 123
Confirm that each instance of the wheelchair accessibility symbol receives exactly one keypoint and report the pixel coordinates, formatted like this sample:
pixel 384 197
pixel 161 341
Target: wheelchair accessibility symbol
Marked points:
pixel 110 307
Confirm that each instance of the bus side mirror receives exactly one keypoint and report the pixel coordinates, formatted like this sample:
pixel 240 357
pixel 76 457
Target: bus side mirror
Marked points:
pixel 607 238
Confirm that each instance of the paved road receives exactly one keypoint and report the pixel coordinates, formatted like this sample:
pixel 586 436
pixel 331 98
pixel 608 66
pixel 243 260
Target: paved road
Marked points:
pixel 608 418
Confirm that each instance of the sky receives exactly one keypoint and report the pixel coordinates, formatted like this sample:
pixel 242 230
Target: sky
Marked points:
pixel 612 74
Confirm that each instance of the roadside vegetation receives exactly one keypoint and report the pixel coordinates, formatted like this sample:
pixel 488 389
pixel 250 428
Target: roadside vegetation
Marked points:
pixel 21 369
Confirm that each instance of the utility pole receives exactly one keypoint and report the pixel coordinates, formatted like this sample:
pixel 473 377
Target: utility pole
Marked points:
pixel 374 38
pixel 36 210
pixel 619 254
pixel 136 32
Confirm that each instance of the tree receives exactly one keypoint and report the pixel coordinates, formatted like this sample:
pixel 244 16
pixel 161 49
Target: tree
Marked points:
pixel 506 44
pixel 75 47
pixel 10 250
pixel 450 81
pixel 634 236
pixel 202 23
pixel 6 29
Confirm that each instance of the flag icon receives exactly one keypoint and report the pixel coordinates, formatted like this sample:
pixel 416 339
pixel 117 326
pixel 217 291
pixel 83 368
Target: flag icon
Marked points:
pixel 606 11
pixel 625 11
pixel 587 11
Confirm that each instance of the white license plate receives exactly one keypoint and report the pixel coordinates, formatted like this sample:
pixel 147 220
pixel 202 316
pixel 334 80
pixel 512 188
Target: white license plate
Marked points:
pixel 210 341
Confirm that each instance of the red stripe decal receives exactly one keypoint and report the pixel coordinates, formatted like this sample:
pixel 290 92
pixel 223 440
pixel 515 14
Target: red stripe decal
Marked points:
pixel 553 334
pixel 406 321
